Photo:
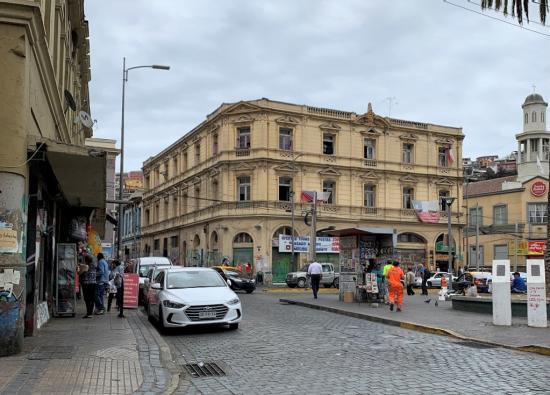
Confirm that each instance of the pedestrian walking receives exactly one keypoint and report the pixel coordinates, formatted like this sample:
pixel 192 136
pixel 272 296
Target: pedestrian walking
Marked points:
pixel 315 271
pixel 248 269
pixel 88 282
pixel 118 281
pixel 380 281
pixel 425 276
pixel 102 278
pixel 385 270
pixel 111 286
pixel 396 279
pixel 410 281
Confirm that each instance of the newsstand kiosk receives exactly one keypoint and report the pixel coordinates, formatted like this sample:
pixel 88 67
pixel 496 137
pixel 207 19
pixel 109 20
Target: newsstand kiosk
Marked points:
pixel 360 249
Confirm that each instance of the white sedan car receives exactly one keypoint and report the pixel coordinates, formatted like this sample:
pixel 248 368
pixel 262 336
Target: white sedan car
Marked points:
pixel 180 297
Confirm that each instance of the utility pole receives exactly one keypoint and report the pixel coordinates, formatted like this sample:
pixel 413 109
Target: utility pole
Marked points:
pixel 313 237
pixel 477 237
pixel 293 260
pixel 516 247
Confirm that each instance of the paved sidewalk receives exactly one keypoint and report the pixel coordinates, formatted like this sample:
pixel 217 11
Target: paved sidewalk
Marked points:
pixel 441 319
pixel 102 355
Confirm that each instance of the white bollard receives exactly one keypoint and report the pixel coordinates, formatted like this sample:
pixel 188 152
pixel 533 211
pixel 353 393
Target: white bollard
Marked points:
pixel 502 298
pixel 536 294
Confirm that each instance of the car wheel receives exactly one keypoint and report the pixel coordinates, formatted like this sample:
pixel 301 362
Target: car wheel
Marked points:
pixel 234 326
pixel 161 321
pixel 336 283
pixel 249 291
pixel 301 283
pixel 291 285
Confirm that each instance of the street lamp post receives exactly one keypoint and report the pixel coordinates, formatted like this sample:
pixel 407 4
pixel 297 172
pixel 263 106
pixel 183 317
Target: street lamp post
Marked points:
pixel 121 177
pixel 448 202
pixel 294 268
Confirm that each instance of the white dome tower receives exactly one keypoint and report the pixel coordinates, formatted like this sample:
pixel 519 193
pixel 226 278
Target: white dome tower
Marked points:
pixel 534 142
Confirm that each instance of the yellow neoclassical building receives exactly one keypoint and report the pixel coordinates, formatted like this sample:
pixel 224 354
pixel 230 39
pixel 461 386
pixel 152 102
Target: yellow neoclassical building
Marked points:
pixel 227 187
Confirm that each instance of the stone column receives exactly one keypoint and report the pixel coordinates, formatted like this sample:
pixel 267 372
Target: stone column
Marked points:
pixel 539 151
pixel 518 161
pixel 528 149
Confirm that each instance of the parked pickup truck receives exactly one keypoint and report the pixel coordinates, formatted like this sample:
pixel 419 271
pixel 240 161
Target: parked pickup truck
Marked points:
pixel 298 279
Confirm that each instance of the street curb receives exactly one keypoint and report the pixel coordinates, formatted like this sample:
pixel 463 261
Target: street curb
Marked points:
pixel 418 327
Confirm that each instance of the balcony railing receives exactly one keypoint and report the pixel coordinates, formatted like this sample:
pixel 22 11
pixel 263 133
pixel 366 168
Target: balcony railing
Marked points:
pixel 370 163
pixel 242 151
pixel 282 209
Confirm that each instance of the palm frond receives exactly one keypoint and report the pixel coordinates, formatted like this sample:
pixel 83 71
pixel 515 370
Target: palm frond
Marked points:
pixel 520 8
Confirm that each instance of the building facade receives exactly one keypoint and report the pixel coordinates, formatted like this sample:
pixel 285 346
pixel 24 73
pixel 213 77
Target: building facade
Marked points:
pixel 507 217
pixel 48 177
pixel 226 189
pixel 109 147
pixel 131 226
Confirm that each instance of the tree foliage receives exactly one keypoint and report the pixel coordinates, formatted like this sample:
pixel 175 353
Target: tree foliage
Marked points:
pixel 520 8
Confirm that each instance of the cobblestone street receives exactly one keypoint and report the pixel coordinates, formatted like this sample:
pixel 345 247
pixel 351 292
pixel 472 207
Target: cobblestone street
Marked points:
pixel 288 349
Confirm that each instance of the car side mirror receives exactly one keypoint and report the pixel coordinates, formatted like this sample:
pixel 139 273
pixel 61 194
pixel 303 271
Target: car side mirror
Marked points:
pixel 229 282
pixel 156 286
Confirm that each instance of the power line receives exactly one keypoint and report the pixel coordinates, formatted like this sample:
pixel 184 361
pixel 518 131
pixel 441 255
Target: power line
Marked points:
pixel 28 160
pixel 496 19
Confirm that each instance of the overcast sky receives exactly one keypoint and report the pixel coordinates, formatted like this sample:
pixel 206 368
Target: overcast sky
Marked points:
pixel 441 64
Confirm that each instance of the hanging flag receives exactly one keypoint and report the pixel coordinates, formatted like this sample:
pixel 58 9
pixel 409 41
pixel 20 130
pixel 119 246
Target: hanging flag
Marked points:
pixel 427 211
pixel 450 156
pixel 539 166
pixel 323 197
pixel 307 197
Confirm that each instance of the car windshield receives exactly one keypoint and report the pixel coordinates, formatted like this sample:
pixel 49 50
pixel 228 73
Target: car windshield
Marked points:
pixel 232 273
pixel 144 269
pixel 304 268
pixel 194 279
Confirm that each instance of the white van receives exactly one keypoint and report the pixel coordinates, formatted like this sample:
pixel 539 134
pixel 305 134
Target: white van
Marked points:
pixel 142 266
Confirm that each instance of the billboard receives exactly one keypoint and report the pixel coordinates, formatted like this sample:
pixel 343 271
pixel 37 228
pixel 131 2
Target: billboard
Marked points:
pixel 329 245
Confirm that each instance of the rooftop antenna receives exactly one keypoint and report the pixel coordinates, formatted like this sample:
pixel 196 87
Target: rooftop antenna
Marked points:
pixel 392 100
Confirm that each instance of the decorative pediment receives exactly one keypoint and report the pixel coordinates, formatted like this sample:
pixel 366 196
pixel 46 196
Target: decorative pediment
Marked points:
pixel 444 141
pixel 286 168
pixel 243 167
pixel 241 108
pixel 287 120
pixel 330 127
pixel 409 137
pixel 371 132
pixel 369 175
pixel 212 128
pixel 408 179
pixel 329 171
pixel 444 182
pixel 243 120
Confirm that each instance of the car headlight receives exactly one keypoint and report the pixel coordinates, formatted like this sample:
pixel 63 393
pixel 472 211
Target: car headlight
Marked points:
pixel 234 301
pixel 293 275
pixel 172 305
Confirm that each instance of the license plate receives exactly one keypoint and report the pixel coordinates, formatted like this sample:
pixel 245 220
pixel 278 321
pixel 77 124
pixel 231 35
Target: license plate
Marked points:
pixel 207 314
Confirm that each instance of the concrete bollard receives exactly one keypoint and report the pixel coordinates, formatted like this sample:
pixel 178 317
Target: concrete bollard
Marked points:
pixel 536 294
pixel 502 298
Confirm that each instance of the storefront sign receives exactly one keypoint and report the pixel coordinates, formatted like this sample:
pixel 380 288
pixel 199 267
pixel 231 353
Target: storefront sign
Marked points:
pixel 538 188
pixel 330 245
pixel 131 290
pixel 537 247
pixel 522 247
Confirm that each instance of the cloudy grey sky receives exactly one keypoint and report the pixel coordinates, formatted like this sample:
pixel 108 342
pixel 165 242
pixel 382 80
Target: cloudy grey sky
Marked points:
pixel 441 64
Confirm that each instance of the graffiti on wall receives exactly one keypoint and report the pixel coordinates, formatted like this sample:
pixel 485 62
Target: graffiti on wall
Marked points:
pixel 11 300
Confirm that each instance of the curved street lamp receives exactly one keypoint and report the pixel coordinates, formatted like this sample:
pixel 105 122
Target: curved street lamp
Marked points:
pixel 120 180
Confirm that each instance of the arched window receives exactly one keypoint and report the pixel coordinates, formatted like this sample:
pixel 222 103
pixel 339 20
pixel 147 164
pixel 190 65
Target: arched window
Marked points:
pixel 533 117
pixel 410 238
pixel 243 238
pixel 526 121
pixel 284 230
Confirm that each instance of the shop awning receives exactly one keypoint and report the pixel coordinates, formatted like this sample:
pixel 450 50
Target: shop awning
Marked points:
pixel 80 173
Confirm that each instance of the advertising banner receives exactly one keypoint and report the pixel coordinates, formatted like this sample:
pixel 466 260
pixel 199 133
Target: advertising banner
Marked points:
pixel 427 210
pixel 131 290
pixel 330 245
pixel 537 247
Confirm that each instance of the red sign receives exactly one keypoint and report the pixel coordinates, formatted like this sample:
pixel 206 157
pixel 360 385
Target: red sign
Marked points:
pixel 537 247
pixel 131 290
pixel 538 188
